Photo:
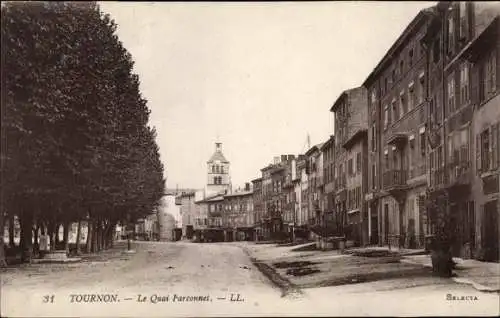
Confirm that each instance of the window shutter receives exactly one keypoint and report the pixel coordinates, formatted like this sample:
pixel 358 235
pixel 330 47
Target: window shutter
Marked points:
pixel 478 153
pixel 493 71
pixel 474 84
pixel 490 150
pixel 498 148
pixel 494 144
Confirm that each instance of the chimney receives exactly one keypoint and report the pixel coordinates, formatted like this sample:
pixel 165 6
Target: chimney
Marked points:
pixel 283 158
pixel 247 186
pixel 276 160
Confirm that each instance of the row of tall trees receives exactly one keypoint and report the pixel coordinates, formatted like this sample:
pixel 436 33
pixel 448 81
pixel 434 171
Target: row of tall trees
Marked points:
pixel 76 145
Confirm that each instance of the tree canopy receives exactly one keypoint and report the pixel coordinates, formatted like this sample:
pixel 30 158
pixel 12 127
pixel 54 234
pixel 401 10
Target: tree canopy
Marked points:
pixel 75 134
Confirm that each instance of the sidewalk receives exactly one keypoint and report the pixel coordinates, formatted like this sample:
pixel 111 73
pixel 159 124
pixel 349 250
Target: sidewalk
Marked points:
pixel 483 276
pixel 293 270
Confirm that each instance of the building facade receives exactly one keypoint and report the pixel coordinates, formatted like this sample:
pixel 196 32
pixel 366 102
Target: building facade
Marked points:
pixel 258 208
pixel 187 208
pixel 464 109
pixel 314 173
pixel 169 218
pixel 238 216
pixel 329 224
pixel 351 155
pixel 218 173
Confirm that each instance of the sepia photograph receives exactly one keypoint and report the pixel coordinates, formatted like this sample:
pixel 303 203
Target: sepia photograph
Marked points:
pixel 250 159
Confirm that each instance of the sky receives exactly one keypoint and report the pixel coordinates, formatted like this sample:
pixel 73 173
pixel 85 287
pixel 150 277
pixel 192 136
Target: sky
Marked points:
pixel 258 77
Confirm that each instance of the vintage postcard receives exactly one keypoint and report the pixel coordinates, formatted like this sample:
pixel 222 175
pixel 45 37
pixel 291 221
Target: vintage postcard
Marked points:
pixel 205 159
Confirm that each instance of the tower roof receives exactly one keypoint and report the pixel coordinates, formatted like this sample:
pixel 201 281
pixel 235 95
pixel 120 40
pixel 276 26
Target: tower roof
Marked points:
pixel 218 156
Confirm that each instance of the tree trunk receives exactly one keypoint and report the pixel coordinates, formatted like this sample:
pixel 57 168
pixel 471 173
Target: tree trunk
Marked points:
pixel 111 234
pixel 66 236
pixel 3 262
pixel 89 236
pixel 36 245
pixel 102 236
pixel 12 243
pixel 95 234
pixel 98 236
pixel 78 233
pixel 27 232
pixel 56 240
pixel 50 233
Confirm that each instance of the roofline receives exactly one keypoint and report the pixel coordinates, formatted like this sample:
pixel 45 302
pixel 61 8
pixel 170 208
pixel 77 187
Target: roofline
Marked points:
pixel 313 148
pixel 359 134
pixel 336 104
pixel 408 31
pixel 328 142
pixel 239 194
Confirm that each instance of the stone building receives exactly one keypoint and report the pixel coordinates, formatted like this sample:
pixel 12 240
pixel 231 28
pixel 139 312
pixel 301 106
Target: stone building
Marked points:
pixel 314 171
pixel 351 156
pixel 464 111
pixel 397 140
pixel 209 220
pixel 288 198
pixel 169 218
pixel 187 208
pixel 273 198
pixel 329 223
pixel 258 207
pixel 302 199
pixel 238 216
pixel 218 173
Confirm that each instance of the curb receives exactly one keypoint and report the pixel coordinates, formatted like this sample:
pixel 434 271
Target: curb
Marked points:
pixel 460 280
pixel 287 288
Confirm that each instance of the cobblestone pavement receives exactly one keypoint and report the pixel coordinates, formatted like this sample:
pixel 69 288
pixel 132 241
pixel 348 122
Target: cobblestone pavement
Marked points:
pixel 188 279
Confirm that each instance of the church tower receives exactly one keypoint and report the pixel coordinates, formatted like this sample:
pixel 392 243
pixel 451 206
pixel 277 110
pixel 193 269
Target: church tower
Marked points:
pixel 218 176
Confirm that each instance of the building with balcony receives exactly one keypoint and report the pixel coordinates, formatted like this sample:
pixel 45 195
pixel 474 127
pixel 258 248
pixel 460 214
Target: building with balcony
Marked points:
pixel 238 215
pixel 330 226
pixel 397 140
pixel 351 155
pixel 301 203
pixel 464 110
pixel 314 172
pixel 288 197
pixel 258 208
pixel 273 198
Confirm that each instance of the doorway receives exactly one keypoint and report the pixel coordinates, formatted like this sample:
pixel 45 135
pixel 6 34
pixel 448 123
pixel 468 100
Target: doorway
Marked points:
pixel 386 223
pixel 374 225
pixel 490 231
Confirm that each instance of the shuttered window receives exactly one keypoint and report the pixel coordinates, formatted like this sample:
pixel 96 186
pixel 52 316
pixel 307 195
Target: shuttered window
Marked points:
pixel 494 146
pixel 478 154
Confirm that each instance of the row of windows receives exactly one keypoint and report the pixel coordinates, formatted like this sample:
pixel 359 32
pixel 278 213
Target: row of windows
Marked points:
pixel 407 60
pixel 329 172
pixel 217 180
pixel 219 169
pixel 354 165
pixel 407 100
pixel 354 199
pixel 236 207
pixel 489 151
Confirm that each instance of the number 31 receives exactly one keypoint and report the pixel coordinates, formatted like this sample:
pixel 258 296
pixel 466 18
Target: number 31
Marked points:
pixel 48 298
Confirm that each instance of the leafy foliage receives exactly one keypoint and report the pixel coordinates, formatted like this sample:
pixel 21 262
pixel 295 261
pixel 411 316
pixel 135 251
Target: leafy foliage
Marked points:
pixel 75 133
